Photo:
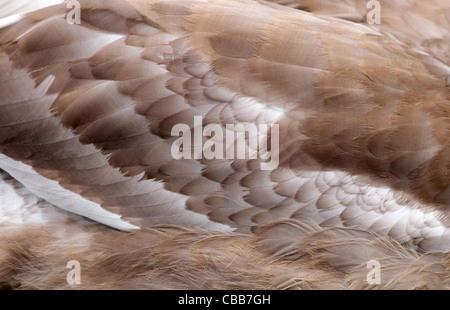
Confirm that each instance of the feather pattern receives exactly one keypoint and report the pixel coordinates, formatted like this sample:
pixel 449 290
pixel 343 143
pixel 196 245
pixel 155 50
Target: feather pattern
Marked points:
pixel 363 115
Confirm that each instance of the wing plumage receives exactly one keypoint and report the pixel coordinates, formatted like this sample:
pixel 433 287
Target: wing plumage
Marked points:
pixel 363 113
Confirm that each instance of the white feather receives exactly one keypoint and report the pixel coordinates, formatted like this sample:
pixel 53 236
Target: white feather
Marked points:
pixel 57 195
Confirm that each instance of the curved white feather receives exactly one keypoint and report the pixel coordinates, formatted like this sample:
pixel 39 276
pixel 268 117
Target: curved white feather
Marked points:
pixel 54 193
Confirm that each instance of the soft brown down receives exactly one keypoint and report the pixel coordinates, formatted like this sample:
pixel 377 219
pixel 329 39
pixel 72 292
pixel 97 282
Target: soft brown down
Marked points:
pixel 174 257
pixel 371 101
